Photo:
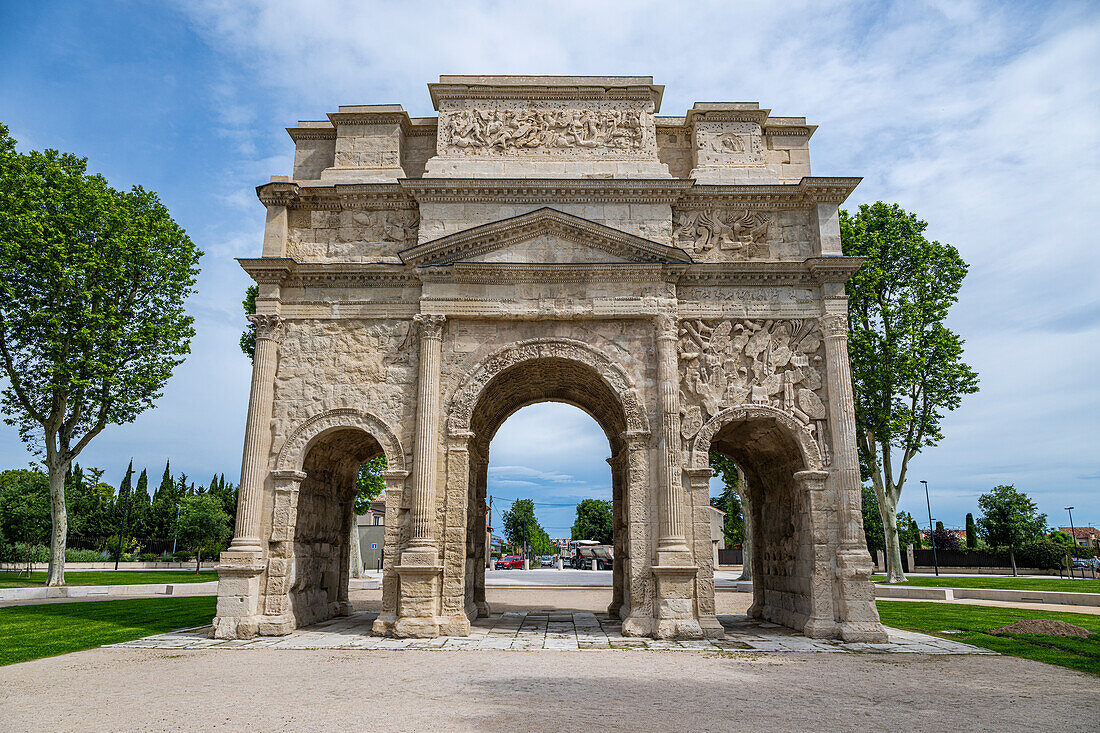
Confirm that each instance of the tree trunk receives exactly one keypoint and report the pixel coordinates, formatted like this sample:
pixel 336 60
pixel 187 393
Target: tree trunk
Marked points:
pixel 59 521
pixel 355 559
pixel 1012 559
pixel 198 559
pixel 888 508
pixel 746 528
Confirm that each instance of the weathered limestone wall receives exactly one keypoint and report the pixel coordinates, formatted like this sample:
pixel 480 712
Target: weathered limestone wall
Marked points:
pixel 549 238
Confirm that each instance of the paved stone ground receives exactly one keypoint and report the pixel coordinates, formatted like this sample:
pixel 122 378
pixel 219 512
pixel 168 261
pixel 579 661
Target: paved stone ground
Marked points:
pixel 562 631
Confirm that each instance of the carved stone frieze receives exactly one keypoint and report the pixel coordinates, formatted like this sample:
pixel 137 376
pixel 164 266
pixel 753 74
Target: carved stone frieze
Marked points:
pixel 382 226
pixel 756 361
pixel 543 129
pixel 737 235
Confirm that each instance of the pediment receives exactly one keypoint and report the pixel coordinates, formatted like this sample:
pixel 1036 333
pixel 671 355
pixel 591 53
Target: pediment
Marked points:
pixel 543 236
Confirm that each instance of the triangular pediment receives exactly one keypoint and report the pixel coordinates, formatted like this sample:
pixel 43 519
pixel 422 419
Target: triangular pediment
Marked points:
pixel 543 236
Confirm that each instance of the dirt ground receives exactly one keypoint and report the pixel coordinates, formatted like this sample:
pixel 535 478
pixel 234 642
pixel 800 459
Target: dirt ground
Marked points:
pixel 274 690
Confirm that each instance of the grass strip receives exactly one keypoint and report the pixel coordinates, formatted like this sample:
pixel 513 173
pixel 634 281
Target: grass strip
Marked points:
pixel 974 624
pixel 1064 585
pixel 9 579
pixel 48 629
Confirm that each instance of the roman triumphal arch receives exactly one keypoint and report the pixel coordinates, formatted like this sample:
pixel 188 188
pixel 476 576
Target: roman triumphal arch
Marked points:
pixel 679 278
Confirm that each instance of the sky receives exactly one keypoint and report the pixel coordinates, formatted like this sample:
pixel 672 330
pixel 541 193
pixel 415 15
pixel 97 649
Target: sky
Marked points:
pixel 979 117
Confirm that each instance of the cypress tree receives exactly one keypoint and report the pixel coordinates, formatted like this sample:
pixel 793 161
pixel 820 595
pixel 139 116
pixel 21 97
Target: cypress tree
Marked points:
pixel 140 506
pixel 915 529
pixel 971 532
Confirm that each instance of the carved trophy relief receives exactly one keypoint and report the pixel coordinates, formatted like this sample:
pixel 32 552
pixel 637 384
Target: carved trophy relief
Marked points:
pixel 751 361
pixel 488 131
pixel 739 236
pixel 382 226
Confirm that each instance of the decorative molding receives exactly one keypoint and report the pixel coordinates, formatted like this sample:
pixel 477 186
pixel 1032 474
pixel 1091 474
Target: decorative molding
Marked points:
pixel 739 235
pixel 287 272
pixel 292 454
pixel 465 397
pixel 312 133
pixel 488 273
pixel 700 450
pixel 527 130
pixel 488 237
pixel 545 190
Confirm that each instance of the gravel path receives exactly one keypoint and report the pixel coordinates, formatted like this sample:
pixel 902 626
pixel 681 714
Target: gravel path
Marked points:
pixel 275 690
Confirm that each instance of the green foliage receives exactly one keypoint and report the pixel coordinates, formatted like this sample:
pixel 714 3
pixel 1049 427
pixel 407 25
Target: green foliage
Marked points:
pixel 1010 518
pixel 24 506
pixel 1042 553
pixel 907 366
pixel 369 483
pixel 92 322
pixel 971 532
pixel 593 522
pixel 520 525
pixel 872 522
pixel 248 338
pixel 733 528
pixel 908 530
pixel 202 522
pixel 72 555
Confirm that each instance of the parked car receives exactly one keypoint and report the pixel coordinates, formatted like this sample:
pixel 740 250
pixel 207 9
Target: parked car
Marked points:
pixel 546 561
pixel 509 562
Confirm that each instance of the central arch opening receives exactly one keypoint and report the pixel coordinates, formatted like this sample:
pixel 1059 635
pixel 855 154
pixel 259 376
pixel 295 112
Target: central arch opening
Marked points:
pixel 543 380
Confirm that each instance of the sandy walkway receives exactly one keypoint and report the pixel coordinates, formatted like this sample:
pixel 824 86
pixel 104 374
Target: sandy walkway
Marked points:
pixel 271 690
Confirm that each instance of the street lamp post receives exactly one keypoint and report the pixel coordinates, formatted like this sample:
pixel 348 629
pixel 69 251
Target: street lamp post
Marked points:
pixel 931 531
pixel 1073 537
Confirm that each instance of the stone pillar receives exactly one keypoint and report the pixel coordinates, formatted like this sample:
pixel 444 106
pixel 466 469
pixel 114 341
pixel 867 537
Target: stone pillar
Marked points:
pixel 671 540
pixel 637 611
pixel 420 571
pixel 705 551
pixel 238 615
pixel 859 620
pixel 817 566
pixel 257 434
pixel 396 533
pixel 618 565
pixel 674 570
pixel 422 543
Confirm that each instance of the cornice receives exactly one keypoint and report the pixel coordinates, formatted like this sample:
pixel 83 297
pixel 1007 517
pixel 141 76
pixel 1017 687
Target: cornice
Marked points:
pixel 311 133
pixel 288 272
pixel 834 268
pixel 489 273
pixel 758 116
pixel 487 237
pixel 811 271
pixel 684 193
pixel 805 193
pixel 545 190
pixel 531 89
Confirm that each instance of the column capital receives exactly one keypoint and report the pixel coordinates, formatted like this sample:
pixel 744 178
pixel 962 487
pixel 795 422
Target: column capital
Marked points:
pixel 667 326
pixel 834 325
pixel 430 325
pixel 268 326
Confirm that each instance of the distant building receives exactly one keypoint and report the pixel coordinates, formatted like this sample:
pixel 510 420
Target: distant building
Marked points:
pixel 1084 536
pixel 717 536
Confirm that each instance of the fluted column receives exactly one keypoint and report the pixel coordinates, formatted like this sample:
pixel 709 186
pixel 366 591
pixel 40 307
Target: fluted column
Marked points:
pixel 842 426
pixel 426 450
pixel 671 494
pixel 257 433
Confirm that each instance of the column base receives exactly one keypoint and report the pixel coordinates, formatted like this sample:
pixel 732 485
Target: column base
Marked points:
pixel 418 600
pixel 676 616
pixel 482 609
pixel 710 626
pixel 383 625
pixel 866 631
pixel 613 608
pixel 238 615
pixel 817 628
pixel 859 620
pixel 638 626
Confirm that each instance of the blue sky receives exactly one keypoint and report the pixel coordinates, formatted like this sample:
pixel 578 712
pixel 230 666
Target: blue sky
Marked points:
pixel 980 117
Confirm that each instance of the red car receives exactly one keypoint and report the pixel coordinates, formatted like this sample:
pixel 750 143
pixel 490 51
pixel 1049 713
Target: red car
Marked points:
pixel 509 562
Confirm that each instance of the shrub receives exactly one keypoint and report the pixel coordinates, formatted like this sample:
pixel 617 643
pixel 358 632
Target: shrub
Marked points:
pixel 165 557
pixel 38 553
pixel 72 555
pixel 1044 554
pixel 148 557
pixel 945 540
pixel 183 555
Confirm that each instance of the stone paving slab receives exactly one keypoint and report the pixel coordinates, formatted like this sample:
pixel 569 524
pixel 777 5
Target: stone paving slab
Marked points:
pixel 538 632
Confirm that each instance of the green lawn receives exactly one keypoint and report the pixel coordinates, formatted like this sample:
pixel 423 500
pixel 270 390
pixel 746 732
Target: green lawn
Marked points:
pixel 109 577
pixel 983 581
pixel 45 630
pixel 975 621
